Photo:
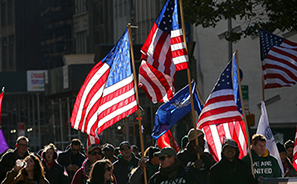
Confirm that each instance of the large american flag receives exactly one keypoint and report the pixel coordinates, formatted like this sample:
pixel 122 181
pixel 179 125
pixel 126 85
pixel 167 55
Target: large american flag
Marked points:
pixel 295 152
pixel 279 60
pixel 107 94
pixel 163 53
pixel 221 116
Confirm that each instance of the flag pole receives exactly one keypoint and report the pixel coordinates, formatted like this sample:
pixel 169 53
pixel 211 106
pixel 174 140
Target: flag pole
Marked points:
pixel 244 116
pixel 188 73
pixel 137 99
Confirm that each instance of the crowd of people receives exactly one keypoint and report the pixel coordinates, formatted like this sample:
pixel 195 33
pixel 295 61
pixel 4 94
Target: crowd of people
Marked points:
pixel 107 164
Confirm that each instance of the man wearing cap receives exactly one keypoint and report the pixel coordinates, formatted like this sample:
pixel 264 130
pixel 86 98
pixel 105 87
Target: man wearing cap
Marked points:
pixel 108 151
pixel 125 163
pixel 171 170
pixel 189 156
pixel 289 145
pixel 151 163
pixel 289 170
pixel 265 165
pixel 230 169
pixel 82 174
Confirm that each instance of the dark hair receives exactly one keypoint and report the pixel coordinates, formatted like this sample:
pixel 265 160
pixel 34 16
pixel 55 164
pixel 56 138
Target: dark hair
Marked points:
pixel 98 170
pixel 50 146
pixel 75 142
pixel 22 138
pixel 38 168
pixel 258 137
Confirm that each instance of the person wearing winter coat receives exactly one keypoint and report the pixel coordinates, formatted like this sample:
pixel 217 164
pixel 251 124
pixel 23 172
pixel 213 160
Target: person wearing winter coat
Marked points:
pixel 230 169
pixel 151 164
pixel 125 163
pixel 30 173
pixel 265 165
pixel 189 156
pixel 82 174
pixel 54 172
pixel 289 170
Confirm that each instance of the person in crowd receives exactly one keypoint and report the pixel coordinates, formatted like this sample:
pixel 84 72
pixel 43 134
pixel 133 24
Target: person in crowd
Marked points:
pixel 183 143
pixel 117 151
pixel 289 170
pixel 108 151
pixel 230 169
pixel 151 163
pixel 265 165
pixel 289 145
pixel 31 173
pixel 189 156
pixel 125 163
pixel 136 152
pixel 82 174
pixel 171 169
pixel 72 158
pixel 101 173
pixel 54 172
pixel 8 159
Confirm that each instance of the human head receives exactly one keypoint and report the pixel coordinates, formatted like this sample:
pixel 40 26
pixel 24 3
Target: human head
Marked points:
pixel 149 153
pixel 289 145
pixel 125 150
pixel 94 153
pixel 230 149
pixel 75 146
pixel 49 153
pixel 101 172
pixel 108 150
pixel 200 136
pixel 33 165
pixel 135 149
pixel 259 144
pixel 22 143
pixel 167 156
pixel 282 151
pixel 184 142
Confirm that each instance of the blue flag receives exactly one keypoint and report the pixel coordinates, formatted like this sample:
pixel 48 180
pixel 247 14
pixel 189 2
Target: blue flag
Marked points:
pixel 171 112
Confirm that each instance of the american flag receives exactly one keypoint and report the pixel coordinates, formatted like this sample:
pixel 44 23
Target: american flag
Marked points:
pixel 221 117
pixel 92 140
pixel 163 53
pixel 279 60
pixel 295 152
pixel 108 93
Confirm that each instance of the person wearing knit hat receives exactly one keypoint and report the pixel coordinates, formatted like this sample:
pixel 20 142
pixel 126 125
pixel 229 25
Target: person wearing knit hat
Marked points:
pixel 289 170
pixel 289 145
pixel 189 155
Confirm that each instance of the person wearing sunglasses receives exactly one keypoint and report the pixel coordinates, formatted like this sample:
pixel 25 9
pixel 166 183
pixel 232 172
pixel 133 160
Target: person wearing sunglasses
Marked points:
pixel 171 169
pixel 101 173
pixel 72 158
pixel 125 163
pixel 8 159
pixel 189 158
pixel 82 174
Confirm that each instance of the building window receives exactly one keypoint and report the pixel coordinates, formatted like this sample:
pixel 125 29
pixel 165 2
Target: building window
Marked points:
pixel 3 13
pixel 80 6
pixel 10 51
pixel 81 42
pixel 4 53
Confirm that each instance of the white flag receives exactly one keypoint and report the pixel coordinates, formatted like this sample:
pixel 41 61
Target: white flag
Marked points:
pixel 264 129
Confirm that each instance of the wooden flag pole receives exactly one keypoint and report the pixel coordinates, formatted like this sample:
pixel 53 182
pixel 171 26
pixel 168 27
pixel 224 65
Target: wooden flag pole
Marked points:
pixel 189 76
pixel 137 99
pixel 243 112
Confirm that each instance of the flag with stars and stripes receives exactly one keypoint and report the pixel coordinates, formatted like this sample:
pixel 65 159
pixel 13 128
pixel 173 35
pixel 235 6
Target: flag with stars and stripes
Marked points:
pixel 279 60
pixel 107 94
pixel 163 53
pixel 221 116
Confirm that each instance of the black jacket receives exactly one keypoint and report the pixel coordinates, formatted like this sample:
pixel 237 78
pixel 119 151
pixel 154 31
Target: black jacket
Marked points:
pixel 188 158
pixel 55 174
pixel 122 168
pixel 226 172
